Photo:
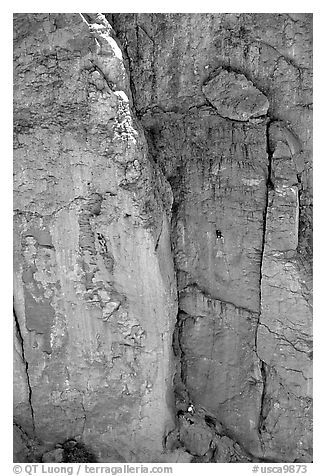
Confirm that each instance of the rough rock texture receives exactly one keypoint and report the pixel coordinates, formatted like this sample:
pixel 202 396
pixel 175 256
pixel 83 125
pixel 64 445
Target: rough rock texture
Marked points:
pixel 187 129
pixel 226 103
pixel 234 97
pixel 95 299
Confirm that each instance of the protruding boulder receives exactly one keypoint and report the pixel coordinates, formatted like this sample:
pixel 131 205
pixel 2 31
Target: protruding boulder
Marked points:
pixel 235 97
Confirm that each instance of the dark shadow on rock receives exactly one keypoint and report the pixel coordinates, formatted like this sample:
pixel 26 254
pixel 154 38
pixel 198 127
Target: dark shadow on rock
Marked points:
pixel 76 452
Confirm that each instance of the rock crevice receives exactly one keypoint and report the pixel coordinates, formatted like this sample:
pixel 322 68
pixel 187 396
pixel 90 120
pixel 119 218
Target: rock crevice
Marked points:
pixel 25 364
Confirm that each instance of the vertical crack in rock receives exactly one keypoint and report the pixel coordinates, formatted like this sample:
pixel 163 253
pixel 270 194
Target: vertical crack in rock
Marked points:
pixel 262 402
pixel 21 341
pixel 128 65
pixel 263 365
pixel 179 352
pixel 269 187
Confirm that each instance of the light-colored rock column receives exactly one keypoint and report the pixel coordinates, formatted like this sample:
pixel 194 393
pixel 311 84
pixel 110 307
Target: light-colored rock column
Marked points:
pixel 95 293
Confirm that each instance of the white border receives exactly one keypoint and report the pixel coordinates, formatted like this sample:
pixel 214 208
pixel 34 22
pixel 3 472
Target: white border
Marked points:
pixel 319 196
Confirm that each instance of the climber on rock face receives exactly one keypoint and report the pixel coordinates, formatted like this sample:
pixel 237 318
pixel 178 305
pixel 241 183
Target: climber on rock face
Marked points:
pixel 218 234
pixel 191 408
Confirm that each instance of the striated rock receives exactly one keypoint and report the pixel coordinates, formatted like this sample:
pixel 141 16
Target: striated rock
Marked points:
pixel 234 97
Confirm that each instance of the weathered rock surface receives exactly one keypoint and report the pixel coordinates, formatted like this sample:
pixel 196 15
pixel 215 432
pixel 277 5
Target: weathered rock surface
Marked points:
pixel 95 299
pixel 190 129
pixel 226 103
pixel 234 97
pixel 284 333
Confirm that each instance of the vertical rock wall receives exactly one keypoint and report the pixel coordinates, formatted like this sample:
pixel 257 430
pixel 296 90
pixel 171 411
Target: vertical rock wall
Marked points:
pixel 225 100
pixel 190 129
pixel 94 287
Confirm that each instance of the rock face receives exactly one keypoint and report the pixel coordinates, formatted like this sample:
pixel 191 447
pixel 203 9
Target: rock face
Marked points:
pixel 95 299
pixel 183 129
pixel 226 103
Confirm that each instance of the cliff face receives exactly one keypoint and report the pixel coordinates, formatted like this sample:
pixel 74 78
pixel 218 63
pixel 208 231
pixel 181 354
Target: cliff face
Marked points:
pixel 95 299
pixel 185 130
